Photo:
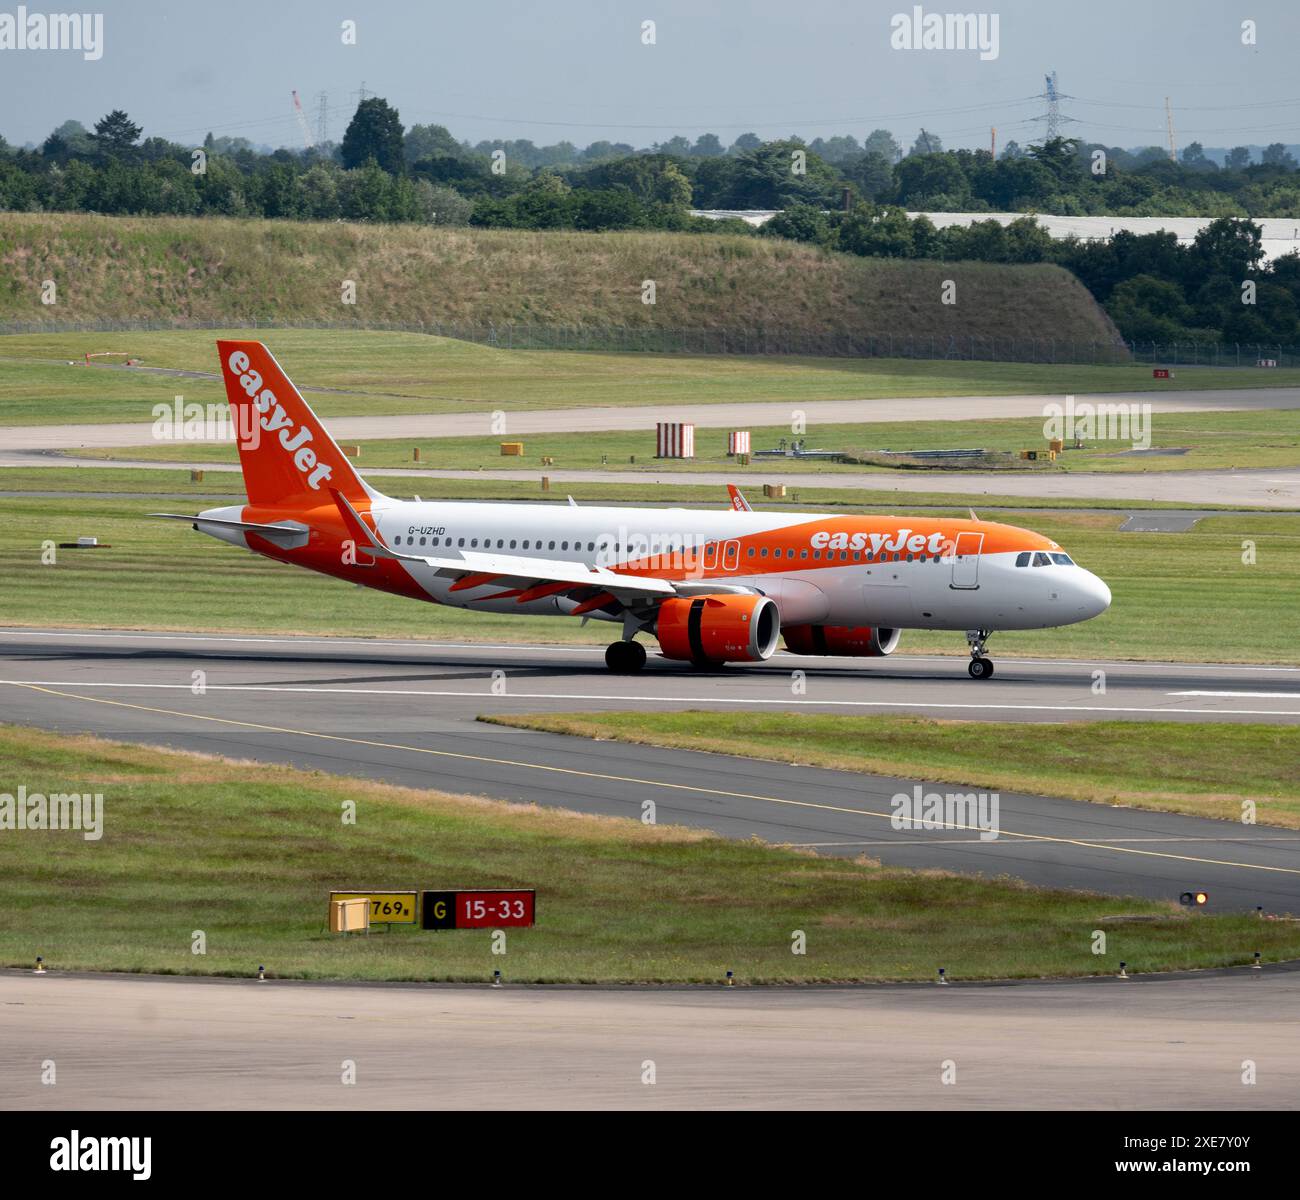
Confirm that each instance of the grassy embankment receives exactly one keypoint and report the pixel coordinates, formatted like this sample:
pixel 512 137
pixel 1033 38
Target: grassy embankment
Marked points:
pixel 213 269
pixel 247 853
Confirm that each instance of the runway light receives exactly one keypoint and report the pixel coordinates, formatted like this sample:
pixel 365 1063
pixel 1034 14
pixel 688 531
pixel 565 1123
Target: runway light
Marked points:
pixel 943 976
pixel 1123 974
pixel 1259 966
pixel 40 965
pixel 1193 899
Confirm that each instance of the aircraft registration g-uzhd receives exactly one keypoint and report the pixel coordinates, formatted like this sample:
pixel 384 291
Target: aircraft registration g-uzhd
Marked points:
pixel 711 586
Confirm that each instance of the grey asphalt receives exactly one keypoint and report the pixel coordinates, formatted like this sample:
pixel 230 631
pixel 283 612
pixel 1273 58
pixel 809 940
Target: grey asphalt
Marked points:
pixel 126 1043
pixel 481 423
pixel 404 712
pixel 1266 487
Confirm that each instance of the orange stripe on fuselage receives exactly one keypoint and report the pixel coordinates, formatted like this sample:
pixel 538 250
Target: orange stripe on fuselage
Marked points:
pixel 830 537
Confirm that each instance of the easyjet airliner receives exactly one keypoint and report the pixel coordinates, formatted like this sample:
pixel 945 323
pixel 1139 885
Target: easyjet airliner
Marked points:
pixel 711 586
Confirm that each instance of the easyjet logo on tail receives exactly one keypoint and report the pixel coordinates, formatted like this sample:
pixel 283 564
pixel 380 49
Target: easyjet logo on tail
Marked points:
pixel 917 543
pixel 294 438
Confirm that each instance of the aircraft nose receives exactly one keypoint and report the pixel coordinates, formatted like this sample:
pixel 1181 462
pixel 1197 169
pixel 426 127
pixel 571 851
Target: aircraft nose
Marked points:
pixel 1095 595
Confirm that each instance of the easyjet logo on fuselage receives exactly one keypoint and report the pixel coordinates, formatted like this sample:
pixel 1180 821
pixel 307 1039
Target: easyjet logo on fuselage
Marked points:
pixel 902 539
pixel 274 419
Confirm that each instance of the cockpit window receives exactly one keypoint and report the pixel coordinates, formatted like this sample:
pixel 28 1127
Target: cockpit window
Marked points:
pixel 1022 560
pixel 1041 559
pixel 1063 560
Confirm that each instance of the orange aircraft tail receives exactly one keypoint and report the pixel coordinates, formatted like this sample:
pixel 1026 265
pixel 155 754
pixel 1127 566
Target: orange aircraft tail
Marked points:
pixel 287 456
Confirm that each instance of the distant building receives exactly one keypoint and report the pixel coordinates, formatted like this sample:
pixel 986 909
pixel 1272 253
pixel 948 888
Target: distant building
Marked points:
pixel 1281 235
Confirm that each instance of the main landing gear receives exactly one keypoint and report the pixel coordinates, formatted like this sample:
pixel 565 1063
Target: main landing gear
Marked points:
pixel 980 667
pixel 625 658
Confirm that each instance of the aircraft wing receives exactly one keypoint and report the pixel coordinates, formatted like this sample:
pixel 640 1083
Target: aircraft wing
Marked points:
pixel 477 568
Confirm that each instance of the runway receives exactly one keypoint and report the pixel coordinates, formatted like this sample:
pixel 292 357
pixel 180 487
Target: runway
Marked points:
pixel 1158 1043
pixel 405 712
pixel 483 423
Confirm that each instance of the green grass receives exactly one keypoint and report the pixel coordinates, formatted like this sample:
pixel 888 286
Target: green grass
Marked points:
pixel 247 853
pixel 1204 770
pixel 1170 590
pixel 412 373
pixel 1267 438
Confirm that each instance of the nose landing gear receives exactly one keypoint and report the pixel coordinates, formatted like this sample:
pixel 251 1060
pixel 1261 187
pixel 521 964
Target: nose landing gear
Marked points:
pixel 980 667
pixel 625 658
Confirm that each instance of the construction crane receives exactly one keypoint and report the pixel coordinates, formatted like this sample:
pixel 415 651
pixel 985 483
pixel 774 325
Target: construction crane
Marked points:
pixel 302 121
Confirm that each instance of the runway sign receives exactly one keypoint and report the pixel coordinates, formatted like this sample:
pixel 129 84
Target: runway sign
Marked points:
pixel 492 908
pixel 386 908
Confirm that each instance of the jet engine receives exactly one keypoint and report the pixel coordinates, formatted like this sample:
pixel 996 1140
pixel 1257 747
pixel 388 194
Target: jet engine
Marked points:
pixel 860 641
pixel 717 628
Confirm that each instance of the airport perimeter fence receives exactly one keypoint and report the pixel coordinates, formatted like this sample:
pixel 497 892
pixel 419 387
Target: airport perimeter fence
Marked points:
pixel 755 341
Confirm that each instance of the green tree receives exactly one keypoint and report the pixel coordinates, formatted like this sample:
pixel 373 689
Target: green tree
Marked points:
pixel 116 133
pixel 375 132
pixel 883 233
pixel 427 141
pixel 1277 155
pixel 882 142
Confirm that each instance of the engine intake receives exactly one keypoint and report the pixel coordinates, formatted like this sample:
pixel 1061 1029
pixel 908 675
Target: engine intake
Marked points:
pixel 861 641
pixel 718 628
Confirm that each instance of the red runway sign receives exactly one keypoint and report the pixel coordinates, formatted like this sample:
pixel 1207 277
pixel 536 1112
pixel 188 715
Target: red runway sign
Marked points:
pixel 485 909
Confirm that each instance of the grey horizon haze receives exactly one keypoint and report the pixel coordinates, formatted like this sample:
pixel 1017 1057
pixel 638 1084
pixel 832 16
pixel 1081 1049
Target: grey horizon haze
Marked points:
pixel 581 71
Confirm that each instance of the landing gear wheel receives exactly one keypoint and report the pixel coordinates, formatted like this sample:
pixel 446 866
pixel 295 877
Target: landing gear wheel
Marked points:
pixel 980 668
pixel 625 658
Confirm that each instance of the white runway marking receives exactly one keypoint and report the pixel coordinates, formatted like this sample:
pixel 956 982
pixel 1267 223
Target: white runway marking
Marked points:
pixel 784 701
pixel 1243 695
pixel 306 640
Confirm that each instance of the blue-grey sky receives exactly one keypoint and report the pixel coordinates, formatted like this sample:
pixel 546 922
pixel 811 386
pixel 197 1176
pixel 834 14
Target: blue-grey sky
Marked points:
pixel 578 69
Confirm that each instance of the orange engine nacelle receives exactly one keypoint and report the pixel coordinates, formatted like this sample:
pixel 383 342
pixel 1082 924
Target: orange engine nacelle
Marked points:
pixel 718 628
pixel 862 641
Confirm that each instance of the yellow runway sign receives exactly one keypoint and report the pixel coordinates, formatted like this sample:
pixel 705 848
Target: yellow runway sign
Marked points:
pixel 386 908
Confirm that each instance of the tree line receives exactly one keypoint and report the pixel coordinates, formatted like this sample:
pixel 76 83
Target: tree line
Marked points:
pixel 837 194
